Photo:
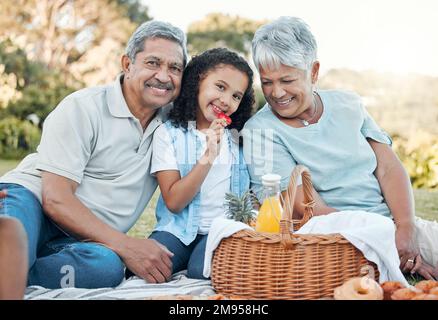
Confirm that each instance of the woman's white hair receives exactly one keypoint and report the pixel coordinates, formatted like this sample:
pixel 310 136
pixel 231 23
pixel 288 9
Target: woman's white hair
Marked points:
pixel 286 40
pixel 155 29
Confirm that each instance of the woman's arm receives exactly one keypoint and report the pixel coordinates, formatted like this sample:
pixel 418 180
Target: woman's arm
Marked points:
pixel 395 184
pixel 397 191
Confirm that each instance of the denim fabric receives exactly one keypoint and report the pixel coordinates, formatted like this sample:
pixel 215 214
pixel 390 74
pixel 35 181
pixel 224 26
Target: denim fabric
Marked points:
pixel 55 259
pixel 188 146
pixel 189 257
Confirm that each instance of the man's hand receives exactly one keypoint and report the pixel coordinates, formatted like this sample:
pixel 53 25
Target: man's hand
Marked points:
pixel 147 259
pixel 3 193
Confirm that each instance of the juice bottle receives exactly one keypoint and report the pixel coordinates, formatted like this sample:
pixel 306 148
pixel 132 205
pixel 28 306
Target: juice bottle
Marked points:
pixel 268 219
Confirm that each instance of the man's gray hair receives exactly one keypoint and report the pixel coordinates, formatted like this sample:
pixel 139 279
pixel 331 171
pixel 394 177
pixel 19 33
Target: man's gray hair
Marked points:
pixel 155 29
pixel 286 40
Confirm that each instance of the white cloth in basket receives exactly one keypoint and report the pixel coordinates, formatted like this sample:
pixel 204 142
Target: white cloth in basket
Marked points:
pixel 371 233
pixel 220 228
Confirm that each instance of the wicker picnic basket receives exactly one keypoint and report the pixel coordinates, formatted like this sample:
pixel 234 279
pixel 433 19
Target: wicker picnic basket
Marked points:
pixel 287 266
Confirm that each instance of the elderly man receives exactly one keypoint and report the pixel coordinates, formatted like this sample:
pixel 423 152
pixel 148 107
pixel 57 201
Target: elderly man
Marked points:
pixel 89 180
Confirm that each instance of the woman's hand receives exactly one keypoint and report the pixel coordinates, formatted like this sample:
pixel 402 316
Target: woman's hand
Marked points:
pixel 425 270
pixel 406 246
pixel 214 135
pixel 410 258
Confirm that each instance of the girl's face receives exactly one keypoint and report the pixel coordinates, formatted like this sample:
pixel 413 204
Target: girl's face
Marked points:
pixel 220 90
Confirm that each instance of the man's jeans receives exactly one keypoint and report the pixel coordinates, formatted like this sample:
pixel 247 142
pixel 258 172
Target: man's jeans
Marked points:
pixel 56 260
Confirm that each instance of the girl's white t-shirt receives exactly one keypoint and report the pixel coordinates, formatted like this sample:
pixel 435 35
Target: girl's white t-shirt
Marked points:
pixel 215 185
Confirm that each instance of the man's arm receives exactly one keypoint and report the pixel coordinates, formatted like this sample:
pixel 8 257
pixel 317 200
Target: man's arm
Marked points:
pixel 146 258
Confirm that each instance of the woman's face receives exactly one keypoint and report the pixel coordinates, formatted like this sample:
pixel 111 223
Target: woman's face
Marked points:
pixel 221 90
pixel 288 90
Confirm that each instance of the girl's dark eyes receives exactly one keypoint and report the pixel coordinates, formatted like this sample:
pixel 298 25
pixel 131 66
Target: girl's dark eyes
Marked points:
pixel 237 97
pixel 220 87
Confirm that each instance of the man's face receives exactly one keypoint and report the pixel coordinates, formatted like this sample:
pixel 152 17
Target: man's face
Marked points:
pixel 154 78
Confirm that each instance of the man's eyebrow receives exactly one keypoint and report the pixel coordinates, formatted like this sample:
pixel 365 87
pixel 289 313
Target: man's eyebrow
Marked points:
pixel 152 57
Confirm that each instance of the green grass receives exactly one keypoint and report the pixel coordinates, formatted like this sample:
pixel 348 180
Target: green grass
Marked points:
pixel 426 203
pixel 6 165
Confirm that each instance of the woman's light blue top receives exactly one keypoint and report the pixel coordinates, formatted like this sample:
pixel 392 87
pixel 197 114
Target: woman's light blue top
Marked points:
pixel 335 149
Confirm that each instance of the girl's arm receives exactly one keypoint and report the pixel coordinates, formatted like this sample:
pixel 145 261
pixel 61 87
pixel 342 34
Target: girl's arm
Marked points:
pixel 178 192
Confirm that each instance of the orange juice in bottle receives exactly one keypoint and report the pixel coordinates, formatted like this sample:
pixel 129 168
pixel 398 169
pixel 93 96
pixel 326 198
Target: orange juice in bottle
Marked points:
pixel 268 219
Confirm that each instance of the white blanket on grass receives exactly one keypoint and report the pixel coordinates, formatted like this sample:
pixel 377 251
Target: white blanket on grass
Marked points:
pixel 133 288
pixel 371 233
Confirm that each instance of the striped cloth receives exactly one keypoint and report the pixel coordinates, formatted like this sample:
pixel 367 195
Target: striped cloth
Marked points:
pixel 133 288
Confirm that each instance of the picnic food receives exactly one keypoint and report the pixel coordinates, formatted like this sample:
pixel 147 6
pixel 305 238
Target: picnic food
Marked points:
pixel 434 291
pixel 389 287
pixel 405 294
pixel 425 296
pixel 359 288
pixel 222 115
pixel 241 208
pixel 426 285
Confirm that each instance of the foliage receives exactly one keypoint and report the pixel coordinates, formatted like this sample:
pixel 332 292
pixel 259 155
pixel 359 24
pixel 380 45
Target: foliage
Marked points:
pixel 222 30
pixel 17 138
pixel 38 89
pixel 260 99
pixel 135 11
pixel 419 155
pixel 83 38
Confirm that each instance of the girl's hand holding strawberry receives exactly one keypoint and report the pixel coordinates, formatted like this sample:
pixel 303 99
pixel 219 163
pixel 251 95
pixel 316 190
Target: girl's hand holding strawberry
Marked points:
pixel 214 135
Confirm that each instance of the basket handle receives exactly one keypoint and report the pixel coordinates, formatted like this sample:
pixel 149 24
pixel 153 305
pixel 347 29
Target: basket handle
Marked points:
pixel 288 204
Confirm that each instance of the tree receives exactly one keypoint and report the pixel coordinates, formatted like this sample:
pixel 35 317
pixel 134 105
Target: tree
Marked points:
pixel 221 30
pixel 82 38
pixel 135 11
pixel 32 88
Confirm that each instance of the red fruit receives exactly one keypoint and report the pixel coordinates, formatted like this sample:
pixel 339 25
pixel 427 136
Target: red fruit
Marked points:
pixel 224 116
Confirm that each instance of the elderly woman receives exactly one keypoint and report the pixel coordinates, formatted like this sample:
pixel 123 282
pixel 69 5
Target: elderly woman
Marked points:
pixel 350 158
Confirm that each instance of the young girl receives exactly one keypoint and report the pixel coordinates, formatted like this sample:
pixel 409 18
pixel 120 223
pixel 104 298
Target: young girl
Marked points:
pixel 196 158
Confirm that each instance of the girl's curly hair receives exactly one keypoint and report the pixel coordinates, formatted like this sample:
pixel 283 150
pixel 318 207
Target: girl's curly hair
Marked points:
pixel 184 107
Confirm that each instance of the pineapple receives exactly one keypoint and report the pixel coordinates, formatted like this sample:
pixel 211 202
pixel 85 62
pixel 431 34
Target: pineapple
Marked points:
pixel 241 208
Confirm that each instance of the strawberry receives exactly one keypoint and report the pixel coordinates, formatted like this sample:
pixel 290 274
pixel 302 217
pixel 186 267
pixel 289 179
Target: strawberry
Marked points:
pixel 222 115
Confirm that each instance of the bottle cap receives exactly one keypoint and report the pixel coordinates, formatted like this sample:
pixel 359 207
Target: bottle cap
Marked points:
pixel 271 179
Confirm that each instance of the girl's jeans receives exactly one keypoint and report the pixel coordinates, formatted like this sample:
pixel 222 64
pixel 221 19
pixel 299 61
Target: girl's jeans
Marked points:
pixel 189 257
